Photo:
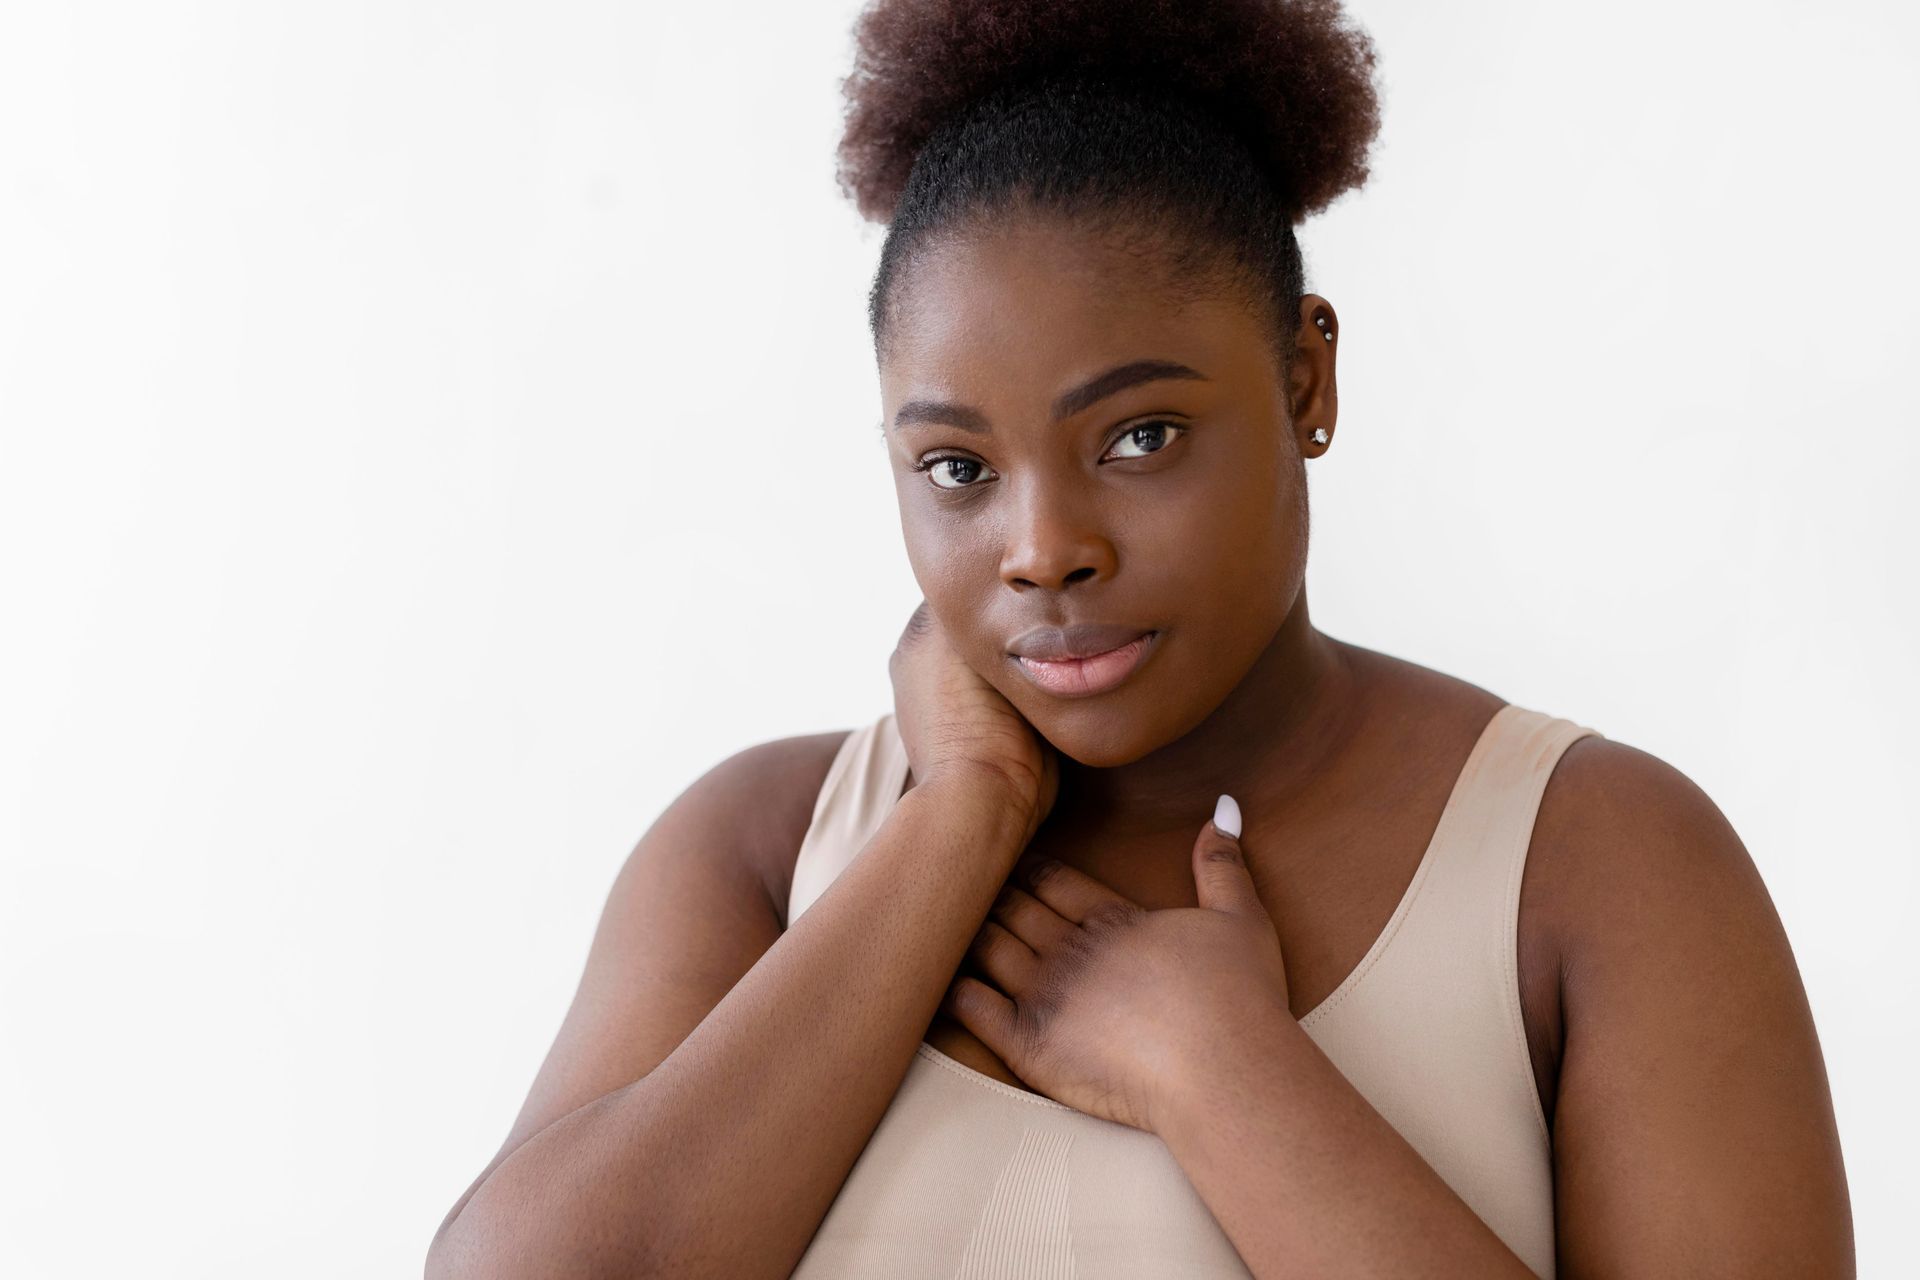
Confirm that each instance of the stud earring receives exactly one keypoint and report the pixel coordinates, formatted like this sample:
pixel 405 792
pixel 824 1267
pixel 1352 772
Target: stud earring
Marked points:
pixel 1320 435
pixel 1324 331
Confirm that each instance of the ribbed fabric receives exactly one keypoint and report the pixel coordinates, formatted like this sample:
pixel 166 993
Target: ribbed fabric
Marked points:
pixel 967 1178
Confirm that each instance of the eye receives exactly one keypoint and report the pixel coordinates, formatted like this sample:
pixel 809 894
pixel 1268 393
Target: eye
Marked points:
pixel 1148 437
pixel 951 470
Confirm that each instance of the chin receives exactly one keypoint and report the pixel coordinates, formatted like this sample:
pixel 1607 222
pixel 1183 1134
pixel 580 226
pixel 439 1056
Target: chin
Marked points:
pixel 1099 733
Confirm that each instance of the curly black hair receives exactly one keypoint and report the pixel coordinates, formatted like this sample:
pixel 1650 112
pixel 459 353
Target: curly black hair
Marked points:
pixel 1218 124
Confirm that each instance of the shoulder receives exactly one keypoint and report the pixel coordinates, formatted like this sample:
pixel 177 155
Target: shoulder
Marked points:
pixel 761 800
pixel 1613 821
pixel 1608 808
pixel 1660 925
pixel 1633 871
pixel 1620 831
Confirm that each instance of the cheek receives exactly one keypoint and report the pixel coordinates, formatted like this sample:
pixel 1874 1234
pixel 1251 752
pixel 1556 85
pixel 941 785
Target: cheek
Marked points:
pixel 920 536
pixel 947 559
pixel 1241 533
pixel 957 578
pixel 1231 569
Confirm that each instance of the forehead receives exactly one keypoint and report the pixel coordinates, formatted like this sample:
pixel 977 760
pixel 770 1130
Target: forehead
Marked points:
pixel 1031 303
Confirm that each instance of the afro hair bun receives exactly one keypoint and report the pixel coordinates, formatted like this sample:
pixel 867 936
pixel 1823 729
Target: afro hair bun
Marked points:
pixel 1291 76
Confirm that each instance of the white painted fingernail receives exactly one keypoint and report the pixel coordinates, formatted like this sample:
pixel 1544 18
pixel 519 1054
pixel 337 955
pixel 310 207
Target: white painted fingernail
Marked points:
pixel 1226 816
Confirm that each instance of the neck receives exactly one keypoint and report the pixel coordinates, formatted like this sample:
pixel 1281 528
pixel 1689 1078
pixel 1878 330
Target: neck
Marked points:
pixel 1265 745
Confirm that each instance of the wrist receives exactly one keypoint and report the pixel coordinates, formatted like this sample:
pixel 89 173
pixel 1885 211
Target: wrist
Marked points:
pixel 1225 1075
pixel 984 801
pixel 1016 795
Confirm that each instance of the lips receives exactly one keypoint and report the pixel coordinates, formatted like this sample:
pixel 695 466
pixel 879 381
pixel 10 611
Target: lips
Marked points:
pixel 1084 659
pixel 1081 640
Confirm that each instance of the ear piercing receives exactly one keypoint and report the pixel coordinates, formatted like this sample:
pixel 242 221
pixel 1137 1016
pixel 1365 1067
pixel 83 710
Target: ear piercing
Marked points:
pixel 1320 435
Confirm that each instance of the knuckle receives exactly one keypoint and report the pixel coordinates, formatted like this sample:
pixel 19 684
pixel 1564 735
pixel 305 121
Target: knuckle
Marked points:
pixel 1077 948
pixel 1111 915
pixel 1221 849
pixel 1043 871
pixel 993 942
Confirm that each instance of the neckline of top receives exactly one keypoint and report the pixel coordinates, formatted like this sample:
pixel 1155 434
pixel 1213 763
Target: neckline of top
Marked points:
pixel 1449 814
pixel 1456 800
pixel 941 1059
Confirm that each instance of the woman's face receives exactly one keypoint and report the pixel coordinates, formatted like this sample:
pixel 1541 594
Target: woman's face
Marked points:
pixel 1075 442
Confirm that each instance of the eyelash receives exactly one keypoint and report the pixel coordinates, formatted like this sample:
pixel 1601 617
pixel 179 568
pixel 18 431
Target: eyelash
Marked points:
pixel 933 460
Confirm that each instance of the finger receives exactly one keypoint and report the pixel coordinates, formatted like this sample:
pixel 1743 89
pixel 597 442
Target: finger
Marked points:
pixel 1220 876
pixel 1071 892
pixel 985 1012
pixel 1008 961
pixel 1029 919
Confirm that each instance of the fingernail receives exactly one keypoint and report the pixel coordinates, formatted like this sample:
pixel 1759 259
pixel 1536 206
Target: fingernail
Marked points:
pixel 1226 816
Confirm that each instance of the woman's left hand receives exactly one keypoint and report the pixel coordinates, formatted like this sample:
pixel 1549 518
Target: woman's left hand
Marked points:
pixel 1108 1007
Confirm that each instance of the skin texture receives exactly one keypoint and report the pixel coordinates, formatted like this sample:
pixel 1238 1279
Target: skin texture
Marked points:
pixel 1672 1043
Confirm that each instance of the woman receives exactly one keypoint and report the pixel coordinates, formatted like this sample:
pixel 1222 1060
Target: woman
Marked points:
pixel 1154 932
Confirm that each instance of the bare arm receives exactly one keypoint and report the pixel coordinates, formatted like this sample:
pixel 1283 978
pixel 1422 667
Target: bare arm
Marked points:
pixel 719 1153
pixel 1693 1131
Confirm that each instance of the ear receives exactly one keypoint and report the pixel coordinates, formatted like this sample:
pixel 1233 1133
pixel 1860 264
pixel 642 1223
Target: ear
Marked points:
pixel 1312 391
pixel 1220 875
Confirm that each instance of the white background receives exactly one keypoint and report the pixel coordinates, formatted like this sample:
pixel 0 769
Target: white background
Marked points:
pixel 431 435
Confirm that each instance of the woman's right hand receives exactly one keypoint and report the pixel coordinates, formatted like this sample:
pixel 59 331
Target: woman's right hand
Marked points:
pixel 957 727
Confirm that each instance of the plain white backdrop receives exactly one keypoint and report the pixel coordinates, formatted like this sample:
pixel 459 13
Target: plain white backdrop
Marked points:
pixel 432 434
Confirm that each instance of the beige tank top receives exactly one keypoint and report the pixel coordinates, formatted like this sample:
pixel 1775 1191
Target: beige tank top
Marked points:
pixel 966 1177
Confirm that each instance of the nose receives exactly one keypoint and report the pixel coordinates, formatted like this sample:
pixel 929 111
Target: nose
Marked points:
pixel 1054 541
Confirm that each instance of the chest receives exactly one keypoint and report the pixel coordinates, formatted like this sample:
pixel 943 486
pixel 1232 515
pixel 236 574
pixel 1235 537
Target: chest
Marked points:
pixel 1330 902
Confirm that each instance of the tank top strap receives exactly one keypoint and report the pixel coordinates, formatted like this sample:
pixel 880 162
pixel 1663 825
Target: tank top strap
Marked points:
pixel 1479 849
pixel 1437 1001
pixel 855 797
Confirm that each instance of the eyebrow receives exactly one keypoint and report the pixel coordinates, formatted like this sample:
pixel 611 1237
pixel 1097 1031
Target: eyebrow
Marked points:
pixel 1087 394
